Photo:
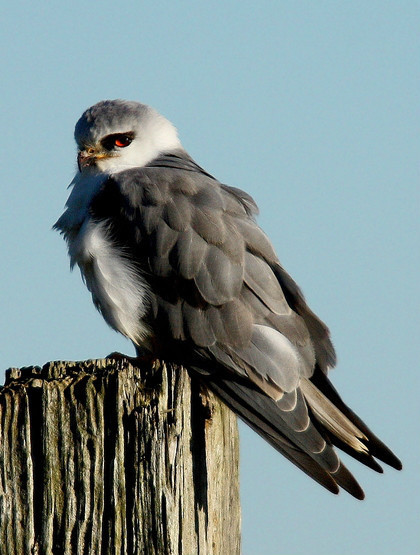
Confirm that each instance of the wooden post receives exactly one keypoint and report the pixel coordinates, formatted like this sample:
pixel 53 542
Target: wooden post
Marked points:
pixel 102 457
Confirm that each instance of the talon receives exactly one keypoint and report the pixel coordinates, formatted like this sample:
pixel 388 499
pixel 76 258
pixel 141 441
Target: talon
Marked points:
pixel 147 359
pixel 121 357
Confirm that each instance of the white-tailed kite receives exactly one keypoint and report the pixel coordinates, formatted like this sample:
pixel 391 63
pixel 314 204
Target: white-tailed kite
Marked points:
pixel 176 262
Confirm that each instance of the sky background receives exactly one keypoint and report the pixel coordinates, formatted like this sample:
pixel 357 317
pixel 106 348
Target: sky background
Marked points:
pixel 311 107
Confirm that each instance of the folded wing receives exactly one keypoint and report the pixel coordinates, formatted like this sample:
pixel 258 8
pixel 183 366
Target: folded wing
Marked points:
pixel 221 304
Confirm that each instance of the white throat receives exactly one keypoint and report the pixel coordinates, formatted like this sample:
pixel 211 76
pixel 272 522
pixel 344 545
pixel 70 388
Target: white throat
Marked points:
pixel 153 135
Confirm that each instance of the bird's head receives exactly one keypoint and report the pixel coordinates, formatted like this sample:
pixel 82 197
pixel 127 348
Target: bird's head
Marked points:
pixel 114 135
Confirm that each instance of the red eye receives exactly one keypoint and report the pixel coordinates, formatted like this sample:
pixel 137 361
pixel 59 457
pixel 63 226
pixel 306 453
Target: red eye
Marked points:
pixel 117 140
pixel 122 141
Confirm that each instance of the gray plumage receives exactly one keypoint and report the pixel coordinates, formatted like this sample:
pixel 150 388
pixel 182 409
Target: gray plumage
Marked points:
pixel 176 262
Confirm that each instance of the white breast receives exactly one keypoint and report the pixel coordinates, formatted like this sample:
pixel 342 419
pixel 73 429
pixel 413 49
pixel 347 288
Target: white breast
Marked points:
pixel 117 289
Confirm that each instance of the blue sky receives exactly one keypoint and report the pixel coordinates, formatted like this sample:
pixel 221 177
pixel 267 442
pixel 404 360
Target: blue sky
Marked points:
pixel 311 107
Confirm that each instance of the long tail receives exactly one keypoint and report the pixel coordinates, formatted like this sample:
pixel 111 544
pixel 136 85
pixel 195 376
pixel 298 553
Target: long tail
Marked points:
pixel 305 425
pixel 374 447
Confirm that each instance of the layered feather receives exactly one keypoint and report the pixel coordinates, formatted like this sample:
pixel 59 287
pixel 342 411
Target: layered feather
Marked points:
pixel 220 302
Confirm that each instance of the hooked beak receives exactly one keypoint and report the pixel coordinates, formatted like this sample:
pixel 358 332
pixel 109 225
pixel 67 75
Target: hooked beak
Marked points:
pixel 88 157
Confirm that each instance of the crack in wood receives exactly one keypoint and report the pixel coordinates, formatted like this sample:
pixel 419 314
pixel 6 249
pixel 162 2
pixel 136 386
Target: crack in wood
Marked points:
pixel 102 457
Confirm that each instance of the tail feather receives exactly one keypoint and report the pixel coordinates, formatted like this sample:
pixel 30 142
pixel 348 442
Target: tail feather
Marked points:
pixel 262 414
pixel 374 446
pixel 304 425
pixel 346 480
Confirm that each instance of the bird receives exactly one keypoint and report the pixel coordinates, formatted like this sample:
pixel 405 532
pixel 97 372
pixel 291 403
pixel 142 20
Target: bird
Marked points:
pixel 176 262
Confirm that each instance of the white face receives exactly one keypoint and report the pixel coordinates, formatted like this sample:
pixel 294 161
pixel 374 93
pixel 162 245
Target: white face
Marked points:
pixel 124 140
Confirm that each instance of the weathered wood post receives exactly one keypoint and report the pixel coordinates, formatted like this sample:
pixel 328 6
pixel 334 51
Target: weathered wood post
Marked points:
pixel 102 457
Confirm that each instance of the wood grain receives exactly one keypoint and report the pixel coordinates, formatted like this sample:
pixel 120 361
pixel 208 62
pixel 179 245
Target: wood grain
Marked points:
pixel 103 457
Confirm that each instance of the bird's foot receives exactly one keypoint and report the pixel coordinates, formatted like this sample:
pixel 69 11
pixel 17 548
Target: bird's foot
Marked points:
pixel 147 360
pixel 115 355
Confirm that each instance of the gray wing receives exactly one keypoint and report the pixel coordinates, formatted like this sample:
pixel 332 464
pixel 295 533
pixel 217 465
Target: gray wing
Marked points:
pixel 222 304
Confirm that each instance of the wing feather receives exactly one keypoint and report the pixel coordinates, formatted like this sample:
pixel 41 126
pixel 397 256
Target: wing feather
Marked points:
pixel 220 301
pixel 189 253
pixel 219 279
pixel 177 213
pixel 163 239
pixel 260 278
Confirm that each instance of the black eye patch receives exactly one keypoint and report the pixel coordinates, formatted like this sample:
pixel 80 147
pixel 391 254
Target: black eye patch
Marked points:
pixel 117 140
